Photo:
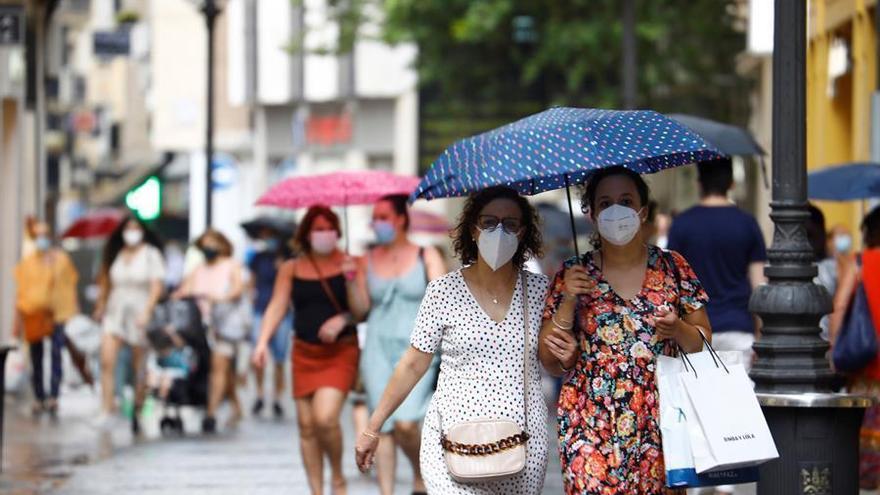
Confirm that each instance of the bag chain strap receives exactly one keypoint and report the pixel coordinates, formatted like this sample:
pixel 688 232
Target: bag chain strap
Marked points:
pixel 513 440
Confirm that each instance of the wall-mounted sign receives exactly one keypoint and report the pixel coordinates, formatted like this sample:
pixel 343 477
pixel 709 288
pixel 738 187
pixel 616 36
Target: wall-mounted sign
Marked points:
pixel 83 121
pixel 112 43
pixel 328 129
pixel 11 25
pixel 145 199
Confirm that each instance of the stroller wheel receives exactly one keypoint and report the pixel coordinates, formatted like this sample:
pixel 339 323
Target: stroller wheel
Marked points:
pixel 167 426
pixel 178 426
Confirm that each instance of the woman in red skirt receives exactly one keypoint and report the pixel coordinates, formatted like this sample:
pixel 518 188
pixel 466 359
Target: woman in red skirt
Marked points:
pixel 323 286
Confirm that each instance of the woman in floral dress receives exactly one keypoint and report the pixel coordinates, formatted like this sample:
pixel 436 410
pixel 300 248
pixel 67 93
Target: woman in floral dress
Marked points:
pixel 608 316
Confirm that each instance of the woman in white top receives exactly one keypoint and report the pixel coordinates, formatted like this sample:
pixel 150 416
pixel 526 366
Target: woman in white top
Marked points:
pixel 474 317
pixel 131 282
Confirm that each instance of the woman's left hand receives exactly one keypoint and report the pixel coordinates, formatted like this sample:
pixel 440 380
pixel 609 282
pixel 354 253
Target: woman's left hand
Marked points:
pixel 143 320
pixel 349 267
pixel 667 323
pixel 331 329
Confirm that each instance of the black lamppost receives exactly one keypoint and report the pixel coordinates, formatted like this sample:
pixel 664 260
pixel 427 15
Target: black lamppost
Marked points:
pixel 210 10
pixel 816 430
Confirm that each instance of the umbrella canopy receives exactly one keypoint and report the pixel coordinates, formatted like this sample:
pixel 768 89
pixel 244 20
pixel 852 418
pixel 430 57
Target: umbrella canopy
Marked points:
pixel 337 189
pixel 728 139
pixel 551 149
pixel 100 223
pixel 281 227
pixel 845 182
pixel 548 150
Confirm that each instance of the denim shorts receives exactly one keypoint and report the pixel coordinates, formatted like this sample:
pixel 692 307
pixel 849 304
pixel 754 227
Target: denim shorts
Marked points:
pixel 279 345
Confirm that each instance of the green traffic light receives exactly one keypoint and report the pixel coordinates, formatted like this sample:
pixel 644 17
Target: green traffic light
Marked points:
pixel 146 199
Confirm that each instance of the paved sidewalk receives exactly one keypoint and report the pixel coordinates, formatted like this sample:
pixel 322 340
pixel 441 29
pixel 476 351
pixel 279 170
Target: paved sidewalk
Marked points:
pixel 261 456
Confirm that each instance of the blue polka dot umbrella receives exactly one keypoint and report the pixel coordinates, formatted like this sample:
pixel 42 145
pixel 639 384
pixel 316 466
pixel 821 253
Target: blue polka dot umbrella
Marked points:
pixel 559 146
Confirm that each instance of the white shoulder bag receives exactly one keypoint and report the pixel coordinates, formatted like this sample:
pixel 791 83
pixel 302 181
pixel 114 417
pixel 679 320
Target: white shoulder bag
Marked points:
pixel 490 449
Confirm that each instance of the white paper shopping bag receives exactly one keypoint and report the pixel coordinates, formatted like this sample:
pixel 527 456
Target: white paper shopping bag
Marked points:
pixel 728 429
pixel 674 407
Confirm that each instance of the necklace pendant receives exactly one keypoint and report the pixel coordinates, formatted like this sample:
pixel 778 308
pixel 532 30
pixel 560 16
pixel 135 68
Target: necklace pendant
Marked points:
pixel 495 301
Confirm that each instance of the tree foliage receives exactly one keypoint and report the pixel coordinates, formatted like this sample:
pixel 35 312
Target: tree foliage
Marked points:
pixel 564 51
pixel 506 58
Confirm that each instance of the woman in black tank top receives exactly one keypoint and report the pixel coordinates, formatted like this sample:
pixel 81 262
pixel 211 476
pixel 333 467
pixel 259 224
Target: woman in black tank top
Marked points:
pixel 325 286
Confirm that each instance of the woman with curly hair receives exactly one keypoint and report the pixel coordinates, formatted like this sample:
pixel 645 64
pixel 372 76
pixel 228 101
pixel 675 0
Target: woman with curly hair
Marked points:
pixel 475 318
pixel 608 315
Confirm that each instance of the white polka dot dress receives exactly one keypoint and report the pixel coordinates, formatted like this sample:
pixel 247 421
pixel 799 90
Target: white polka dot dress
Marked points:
pixel 481 376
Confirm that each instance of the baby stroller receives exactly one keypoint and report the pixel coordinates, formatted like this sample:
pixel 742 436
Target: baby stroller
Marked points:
pixel 179 338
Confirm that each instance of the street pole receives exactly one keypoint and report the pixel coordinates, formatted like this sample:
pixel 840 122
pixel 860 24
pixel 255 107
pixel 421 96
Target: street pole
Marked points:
pixel 629 67
pixel 816 431
pixel 40 172
pixel 211 11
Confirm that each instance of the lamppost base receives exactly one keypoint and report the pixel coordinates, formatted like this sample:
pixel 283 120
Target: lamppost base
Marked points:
pixel 815 434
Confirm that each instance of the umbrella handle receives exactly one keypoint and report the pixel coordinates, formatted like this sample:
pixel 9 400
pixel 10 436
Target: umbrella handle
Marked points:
pixel 345 223
pixel 574 236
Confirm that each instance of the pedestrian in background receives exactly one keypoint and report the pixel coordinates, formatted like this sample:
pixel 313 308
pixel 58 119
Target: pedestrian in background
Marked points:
pixel 45 299
pixel 841 248
pixel 608 315
pixel 475 319
pixel 840 243
pixel 725 247
pixel 131 282
pixel 263 265
pixel 325 287
pixel 867 381
pixel 397 272
pixel 218 288
pixel 825 264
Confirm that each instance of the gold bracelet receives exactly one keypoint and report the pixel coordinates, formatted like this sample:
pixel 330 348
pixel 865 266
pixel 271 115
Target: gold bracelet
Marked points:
pixel 556 323
pixel 563 320
pixel 371 434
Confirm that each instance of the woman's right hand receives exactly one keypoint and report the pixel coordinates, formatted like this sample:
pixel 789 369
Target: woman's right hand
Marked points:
pixel 259 356
pixel 98 314
pixel 365 451
pixel 576 281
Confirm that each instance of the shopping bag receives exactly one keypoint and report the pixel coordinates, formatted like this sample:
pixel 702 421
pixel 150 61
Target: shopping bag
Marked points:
pixel 16 370
pixel 678 458
pixel 726 426
pixel 856 346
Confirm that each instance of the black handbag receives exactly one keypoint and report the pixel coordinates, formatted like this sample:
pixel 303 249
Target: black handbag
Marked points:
pixel 856 345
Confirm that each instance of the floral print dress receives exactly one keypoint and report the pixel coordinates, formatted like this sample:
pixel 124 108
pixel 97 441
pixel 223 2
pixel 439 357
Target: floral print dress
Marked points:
pixel 608 415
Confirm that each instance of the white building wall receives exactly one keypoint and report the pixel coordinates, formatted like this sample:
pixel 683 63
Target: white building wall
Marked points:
pixel 406 133
pixel 236 51
pixel 321 72
pixel 383 71
pixel 179 87
pixel 274 34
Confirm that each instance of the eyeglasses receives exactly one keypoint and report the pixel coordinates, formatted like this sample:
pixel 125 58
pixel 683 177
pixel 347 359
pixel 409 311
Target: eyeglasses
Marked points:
pixel 510 225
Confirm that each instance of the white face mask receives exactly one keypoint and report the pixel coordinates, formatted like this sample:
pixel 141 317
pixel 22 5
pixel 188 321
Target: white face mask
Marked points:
pixel 132 237
pixel 618 224
pixel 497 247
pixel 323 241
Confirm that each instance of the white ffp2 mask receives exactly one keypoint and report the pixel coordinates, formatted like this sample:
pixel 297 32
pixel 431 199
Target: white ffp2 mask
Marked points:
pixel 497 247
pixel 618 224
